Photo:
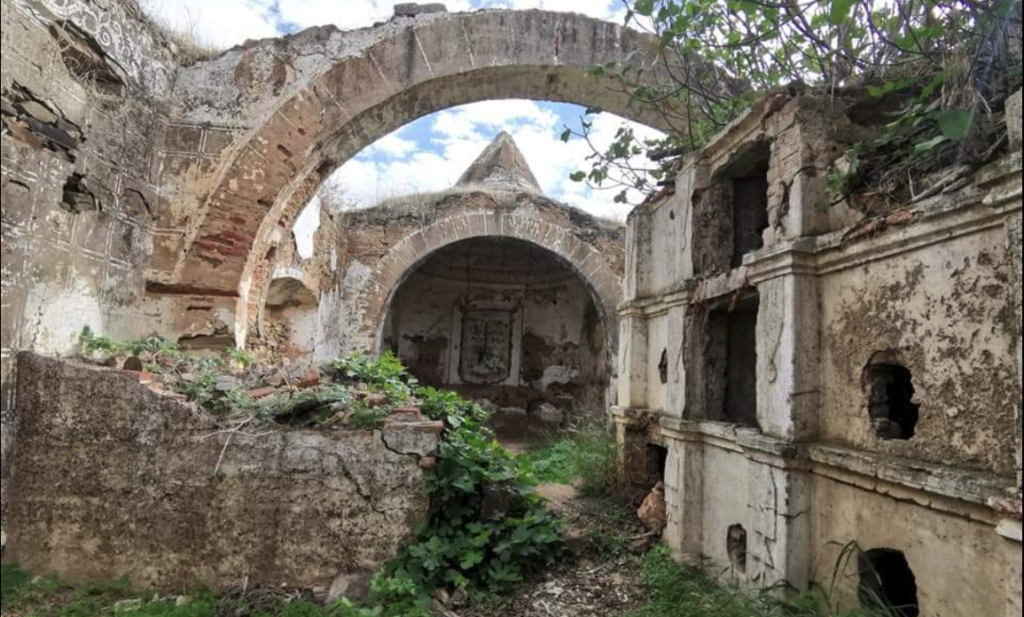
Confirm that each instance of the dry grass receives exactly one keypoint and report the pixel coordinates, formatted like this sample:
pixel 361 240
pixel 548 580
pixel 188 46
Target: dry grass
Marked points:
pixel 183 38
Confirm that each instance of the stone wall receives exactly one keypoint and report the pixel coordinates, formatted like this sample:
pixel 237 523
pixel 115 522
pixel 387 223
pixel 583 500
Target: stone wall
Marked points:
pixel 536 348
pixel 82 211
pixel 887 366
pixel 147 488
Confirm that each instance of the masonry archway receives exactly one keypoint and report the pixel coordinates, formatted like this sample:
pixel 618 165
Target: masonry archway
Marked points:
pixel 505 321
pixel 587 250
pixel 388 77
pixel 411 251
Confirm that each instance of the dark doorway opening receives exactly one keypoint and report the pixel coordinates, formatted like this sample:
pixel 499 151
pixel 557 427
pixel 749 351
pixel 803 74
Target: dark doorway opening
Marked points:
pixel 737 547
pixel 657 464
pixel 887 583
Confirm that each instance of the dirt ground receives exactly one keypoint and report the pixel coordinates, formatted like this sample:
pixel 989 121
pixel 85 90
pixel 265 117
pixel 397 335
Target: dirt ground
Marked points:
pixel 599 575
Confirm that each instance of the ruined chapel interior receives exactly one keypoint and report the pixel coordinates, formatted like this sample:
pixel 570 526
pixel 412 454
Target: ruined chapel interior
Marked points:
pixel 815 395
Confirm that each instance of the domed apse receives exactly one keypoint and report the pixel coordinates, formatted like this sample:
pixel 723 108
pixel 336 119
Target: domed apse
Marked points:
pixel 504 321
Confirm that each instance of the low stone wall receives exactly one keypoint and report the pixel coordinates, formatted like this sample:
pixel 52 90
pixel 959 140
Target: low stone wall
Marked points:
pixel 113 480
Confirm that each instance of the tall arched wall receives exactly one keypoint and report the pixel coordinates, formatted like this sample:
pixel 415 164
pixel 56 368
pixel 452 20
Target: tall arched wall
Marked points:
pixel 384 247
pixel 176 174
pixel 313 101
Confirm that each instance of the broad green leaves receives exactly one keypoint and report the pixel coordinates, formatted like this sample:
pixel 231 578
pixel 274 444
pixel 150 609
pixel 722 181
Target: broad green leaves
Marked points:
pixel 841 10
pixel 956 125
pixel 457 547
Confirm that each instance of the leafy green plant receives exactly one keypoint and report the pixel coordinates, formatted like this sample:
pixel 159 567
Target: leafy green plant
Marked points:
pixel 241 357
pixel 367 418
pixel 486 530
pixel 92 343
pixel 386 375
pixel 948 63
pixel 201 387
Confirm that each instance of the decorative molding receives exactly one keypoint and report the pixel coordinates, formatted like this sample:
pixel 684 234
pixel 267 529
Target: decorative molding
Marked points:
pixel 122 36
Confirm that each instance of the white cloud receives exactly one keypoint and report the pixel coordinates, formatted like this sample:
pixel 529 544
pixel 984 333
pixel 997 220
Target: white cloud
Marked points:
pixel 221 23
pixel 456 137
pixel 226 23
pixel 393 146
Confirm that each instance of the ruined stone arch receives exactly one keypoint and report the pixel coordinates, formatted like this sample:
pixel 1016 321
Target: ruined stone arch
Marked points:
pixel 374 300
pixel 408 70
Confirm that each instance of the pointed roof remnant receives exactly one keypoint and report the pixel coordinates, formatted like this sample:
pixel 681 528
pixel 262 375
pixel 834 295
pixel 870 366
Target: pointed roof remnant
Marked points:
pixel 501 165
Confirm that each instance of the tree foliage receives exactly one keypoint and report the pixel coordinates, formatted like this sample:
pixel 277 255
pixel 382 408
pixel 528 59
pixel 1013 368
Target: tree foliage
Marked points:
pixel 951 62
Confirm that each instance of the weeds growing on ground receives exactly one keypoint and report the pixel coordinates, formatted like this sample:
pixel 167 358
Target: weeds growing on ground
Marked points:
pixel 676 589
pixel 587 456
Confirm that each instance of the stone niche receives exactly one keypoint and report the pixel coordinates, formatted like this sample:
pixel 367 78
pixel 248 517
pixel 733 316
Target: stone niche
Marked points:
pixel 504 321
pixel 148 488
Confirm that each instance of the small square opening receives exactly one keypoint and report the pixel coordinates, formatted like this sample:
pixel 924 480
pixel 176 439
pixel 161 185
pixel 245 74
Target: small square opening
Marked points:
pixel 892 405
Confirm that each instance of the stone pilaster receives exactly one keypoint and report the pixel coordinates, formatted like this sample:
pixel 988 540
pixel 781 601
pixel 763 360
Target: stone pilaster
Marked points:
pixel 1013 240
pixel 684 495
pixel 780 542
pixel 632 361
pixel 788 345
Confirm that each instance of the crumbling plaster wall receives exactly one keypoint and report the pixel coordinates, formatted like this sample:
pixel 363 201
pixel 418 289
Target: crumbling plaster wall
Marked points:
pixel 151 489
pixel 383 245
pixel 427 331
pixel 944 313
pixel 937 284
pixel 959 563
pixel 82 213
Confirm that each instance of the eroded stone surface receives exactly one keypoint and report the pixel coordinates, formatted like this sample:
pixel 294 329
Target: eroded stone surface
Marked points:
pixel 147 488
pixel 926 298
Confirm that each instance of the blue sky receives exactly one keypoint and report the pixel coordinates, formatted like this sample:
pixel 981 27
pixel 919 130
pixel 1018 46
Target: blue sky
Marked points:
pixel 429 154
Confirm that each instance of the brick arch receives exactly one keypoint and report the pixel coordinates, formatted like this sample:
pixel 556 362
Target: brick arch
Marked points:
pixel 373 300
pixel 414 68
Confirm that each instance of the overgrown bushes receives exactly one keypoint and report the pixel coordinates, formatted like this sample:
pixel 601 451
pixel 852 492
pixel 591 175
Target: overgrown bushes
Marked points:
pixel 487 530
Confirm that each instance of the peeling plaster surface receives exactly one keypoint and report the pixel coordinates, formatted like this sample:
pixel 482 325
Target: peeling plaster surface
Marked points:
pixel 934 289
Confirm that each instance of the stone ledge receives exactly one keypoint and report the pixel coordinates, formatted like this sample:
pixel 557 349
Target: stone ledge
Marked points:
pixel 1011 530
pixel 978 488
pixel 973 487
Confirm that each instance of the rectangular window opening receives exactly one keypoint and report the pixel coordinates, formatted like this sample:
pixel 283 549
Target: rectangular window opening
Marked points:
pixel 750 204
pixel 731 361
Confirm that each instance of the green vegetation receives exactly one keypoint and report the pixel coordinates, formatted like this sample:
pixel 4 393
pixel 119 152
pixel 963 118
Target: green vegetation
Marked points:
pixel 11 580
pixel 487 530
pixel 944 70
pixel 675 589
pixel 385 375
pixel 586 456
